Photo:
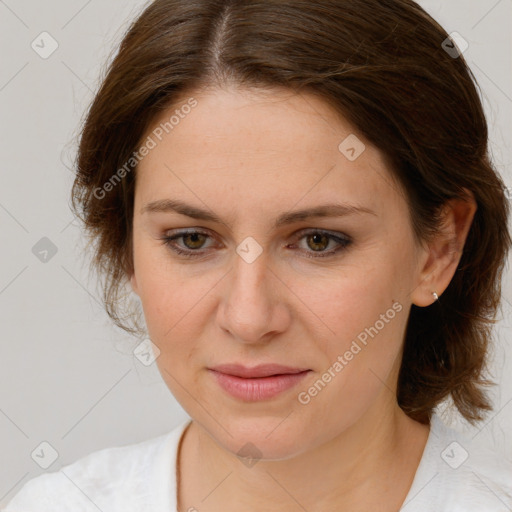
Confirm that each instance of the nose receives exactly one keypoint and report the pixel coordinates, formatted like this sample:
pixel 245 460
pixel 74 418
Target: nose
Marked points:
pixel 253 308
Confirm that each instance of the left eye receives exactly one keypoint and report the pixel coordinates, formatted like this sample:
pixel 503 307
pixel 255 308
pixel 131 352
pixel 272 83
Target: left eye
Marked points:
pixel 317 243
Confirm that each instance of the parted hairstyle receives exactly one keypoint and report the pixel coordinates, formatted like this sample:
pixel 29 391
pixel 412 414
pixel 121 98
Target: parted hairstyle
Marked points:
pixel 389 69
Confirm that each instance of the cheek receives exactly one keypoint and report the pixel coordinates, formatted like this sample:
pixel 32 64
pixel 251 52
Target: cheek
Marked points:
pixel 364 313
pixel 171 307
pixel 177 306
pixel 160 288
pixel 174 316
pixel 363 354
pixel 352 300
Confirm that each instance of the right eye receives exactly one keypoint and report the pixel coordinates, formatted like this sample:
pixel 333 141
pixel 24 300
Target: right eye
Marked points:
pixel 191 242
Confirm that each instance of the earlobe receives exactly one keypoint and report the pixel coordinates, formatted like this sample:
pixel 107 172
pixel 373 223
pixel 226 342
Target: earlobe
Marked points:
pixel 445 250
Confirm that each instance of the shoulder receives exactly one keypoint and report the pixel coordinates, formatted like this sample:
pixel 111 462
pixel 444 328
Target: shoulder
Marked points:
pixel 456 474
pixel 115 479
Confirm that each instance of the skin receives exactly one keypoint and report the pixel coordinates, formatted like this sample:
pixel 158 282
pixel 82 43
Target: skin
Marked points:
pixel 249 156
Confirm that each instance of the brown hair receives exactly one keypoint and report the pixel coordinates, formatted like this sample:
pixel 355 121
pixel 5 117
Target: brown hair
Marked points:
pixel 383 65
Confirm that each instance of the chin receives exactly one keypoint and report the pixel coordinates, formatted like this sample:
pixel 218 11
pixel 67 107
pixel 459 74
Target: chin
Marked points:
pixel 264 437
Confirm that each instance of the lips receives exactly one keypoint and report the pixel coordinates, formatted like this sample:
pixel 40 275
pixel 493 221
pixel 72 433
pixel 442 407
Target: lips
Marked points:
pixel 257 383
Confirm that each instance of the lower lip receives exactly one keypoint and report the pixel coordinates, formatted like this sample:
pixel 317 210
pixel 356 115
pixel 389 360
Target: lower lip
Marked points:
pixel 258 389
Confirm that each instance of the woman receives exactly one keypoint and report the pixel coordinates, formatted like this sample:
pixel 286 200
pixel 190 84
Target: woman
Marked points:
pixel 301 196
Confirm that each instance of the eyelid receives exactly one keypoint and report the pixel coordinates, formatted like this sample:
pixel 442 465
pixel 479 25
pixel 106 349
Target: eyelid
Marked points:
pixel 310 231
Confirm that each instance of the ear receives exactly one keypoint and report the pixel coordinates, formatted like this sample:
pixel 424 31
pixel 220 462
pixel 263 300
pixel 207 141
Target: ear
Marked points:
pixel 444 251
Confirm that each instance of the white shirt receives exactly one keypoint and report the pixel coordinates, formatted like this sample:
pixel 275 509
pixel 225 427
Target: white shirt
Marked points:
pixel 454 475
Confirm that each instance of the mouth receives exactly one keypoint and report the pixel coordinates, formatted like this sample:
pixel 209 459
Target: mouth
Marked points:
pixel 262 370
pixel 257 383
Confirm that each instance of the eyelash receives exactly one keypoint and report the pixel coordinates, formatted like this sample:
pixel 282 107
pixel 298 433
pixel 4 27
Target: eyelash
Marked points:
pixel 342 241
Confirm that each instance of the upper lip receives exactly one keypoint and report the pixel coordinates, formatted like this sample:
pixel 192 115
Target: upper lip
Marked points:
pixel 262 370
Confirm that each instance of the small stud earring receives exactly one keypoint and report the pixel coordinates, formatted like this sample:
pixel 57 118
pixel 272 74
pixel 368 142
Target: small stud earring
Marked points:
pixel 436 297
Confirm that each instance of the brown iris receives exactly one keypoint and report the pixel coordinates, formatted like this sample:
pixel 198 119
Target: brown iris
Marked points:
pixel 196 240
pixel 318 241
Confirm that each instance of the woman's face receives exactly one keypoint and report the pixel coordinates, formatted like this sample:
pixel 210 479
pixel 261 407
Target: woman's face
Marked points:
pixel 326 291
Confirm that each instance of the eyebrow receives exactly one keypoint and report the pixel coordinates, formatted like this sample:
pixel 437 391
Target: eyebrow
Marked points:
pixel 326 210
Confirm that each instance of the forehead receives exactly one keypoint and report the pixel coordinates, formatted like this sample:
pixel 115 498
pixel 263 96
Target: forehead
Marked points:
pixel 262 120
pixel 264 145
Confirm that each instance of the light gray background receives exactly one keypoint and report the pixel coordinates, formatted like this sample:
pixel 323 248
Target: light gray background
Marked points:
pixel 67 376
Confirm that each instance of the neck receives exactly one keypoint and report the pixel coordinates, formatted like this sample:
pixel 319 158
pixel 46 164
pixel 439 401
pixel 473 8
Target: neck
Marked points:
pixel 371 465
